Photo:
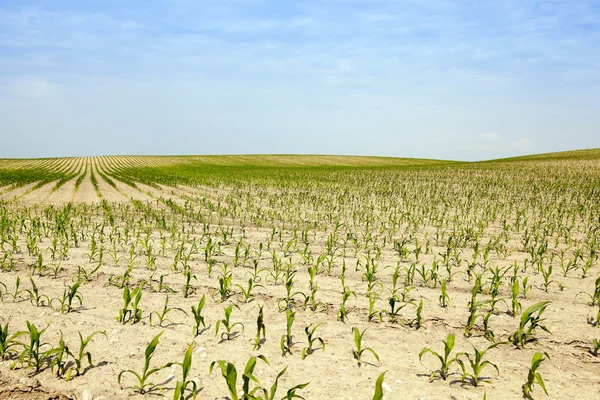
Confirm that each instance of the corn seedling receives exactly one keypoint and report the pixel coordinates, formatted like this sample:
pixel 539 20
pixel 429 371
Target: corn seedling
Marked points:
pixel 287 340
pixel 477 363
pixel 86 275
pixel 358 353
pixel 182 385
pixel 546 274
pixel 162 315
pixel 525 287
pixel 70 294
pixel 342 314
pixel 3 291
pixel 163 287
pixel 516 306
pixel 311 339
pixel 530 320
pixel 8 342
pixel 444 299
pixel 198 317
pixel 225 286
pixel 147 372
pixel 32 353
pixel 133 314
pixel 533 376
pixel 416 322
pixel 473 315
pixel 17 293
pixel 288 302
pixel 374 313
pixel 229 373
pixel 394 312
pixel 311 301
pixel 82 354
pixel 58 357
pixel 37 299
pixel 187 287
pixel 123 280
pixel 290 393
pixel 261 329
pixel 227 324
pixel 445 361
pixel 595 295
pixel 247 292
pixel 378 395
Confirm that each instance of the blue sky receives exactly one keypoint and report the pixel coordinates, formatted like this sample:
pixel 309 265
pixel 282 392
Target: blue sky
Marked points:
pixel 464 80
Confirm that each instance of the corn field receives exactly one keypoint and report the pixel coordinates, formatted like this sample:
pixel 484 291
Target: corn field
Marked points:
pixel 317 277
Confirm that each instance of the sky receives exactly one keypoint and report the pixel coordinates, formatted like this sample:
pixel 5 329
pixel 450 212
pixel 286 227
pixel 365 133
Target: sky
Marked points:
pixel 461 80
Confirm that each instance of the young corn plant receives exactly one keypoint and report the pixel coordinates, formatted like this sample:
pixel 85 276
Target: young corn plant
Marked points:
pixel 82 354
pixel 373 312
pixel 32 353
pixel 70 294
pixel 287 340
pixel 358 353
pixel 162 315
pixel 122 280
pixel 533 376
pixel 37 299
pixel 229 373
pixel 58 357
pixel 198 317
pixel 525 287
pixel 445 360
pixel 477 363
pixel 188 289
pixel 595 295
pixel 247 291
pixel 474 308
pixel 416 322
pixel 147 372
pixel 288 302
pixel 261 329
pixel 342 314
pixel 8 342
pixel 290 394
pixel 17 293
pixel 378 395
pixel 546 275
pixel 228 325
pixel 444 299
pixel 182 385
pixel 86 275
pixel 311 300
pixel 131 298
pixel 225 286
pixel 531 319
pixel 394 312
pixel 3 291
pixel 516 306
pixel 311 338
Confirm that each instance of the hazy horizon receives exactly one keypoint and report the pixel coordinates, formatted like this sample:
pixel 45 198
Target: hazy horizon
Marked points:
pixel 447 80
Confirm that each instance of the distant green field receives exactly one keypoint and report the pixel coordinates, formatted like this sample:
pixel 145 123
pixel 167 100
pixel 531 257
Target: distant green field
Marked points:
pixel 587 154
pixel 194 170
